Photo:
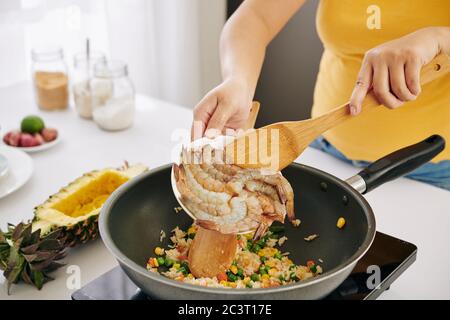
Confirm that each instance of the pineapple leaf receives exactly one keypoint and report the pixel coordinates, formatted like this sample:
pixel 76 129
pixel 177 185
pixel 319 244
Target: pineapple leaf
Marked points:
pixel 30 249
pixel 2 237
pixel 38 278
pixel 51 244
pixel 54 234
pixel 34 237
pixel 16 264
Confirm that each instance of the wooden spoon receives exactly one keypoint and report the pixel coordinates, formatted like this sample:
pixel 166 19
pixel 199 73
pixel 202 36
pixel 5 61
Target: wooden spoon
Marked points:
pixel 212 252
pixel 289 139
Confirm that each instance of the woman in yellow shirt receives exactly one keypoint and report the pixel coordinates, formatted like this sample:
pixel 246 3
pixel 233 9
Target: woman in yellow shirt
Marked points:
pixel 369 44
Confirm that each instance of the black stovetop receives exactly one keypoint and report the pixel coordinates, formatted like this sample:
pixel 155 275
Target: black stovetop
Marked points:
pixel 388 256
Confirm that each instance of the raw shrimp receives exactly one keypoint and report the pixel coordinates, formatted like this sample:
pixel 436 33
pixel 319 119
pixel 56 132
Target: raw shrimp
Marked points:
pixel 230 199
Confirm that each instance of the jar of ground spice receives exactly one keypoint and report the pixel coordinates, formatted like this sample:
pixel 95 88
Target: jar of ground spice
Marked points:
pixel 51 83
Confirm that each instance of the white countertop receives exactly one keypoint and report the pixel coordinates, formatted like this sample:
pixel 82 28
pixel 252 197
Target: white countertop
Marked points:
pixel 406 209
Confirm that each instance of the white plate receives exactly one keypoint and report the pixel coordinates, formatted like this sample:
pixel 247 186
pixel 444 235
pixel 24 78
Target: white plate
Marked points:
pixel 42 147
pixel 3 165
pixel 19 170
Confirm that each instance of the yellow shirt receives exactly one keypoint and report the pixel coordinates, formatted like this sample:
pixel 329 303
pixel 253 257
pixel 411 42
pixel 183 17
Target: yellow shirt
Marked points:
pixel 349 28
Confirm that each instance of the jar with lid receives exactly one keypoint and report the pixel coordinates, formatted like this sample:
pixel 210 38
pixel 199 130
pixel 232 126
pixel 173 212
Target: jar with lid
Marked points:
pixel 81 77
pixel 112 96
pixel 49 74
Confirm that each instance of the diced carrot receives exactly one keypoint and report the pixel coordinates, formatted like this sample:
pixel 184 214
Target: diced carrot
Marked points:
pixel 222 276
pixel 310 263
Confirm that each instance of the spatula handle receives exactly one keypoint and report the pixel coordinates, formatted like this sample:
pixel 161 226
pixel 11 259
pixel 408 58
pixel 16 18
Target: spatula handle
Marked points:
pixel 251 120
pixel 437 68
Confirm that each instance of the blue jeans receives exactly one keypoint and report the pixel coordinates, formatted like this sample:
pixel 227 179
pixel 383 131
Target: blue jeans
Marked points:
pixel 436 174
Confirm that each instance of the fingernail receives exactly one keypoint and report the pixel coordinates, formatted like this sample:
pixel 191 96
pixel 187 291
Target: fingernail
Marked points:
pixel 352 110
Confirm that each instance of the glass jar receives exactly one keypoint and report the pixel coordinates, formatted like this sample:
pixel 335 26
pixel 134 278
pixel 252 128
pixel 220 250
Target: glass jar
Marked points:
pixel 49 74
pixel 112 96
pixel 82 75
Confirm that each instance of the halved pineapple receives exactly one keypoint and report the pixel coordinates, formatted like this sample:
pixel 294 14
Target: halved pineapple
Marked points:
pixel 75 208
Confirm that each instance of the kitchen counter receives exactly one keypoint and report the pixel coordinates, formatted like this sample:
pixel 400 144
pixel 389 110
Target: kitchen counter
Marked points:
pixel 406 209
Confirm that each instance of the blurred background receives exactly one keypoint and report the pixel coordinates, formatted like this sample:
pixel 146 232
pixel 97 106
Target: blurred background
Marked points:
pixel 170 46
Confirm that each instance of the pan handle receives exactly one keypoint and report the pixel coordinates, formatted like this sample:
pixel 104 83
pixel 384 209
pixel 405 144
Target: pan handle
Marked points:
pixel 397 164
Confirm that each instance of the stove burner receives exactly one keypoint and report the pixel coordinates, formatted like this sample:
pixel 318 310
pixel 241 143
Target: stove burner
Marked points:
pixel 388 256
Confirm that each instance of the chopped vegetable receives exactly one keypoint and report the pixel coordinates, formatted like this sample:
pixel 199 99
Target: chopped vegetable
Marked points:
pixel 161 261
pixel 340 223
pixel 254 277
pixel 222 276
pixel 257 264
pixel 168 262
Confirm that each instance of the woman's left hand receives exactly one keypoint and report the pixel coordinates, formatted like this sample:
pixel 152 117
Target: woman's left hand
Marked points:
pixel 392 70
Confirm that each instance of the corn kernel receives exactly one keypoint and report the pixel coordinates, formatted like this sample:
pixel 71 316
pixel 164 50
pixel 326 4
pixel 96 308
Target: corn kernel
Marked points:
pixel 159 251
pixel 246 279
pixel 272 271
pixel 249 235
pixel 223 282
pixel 190 276
pixel 265 276
pixel 270 263
pixel 155 262
pixel 176 265
pixel 232 284
pixel 261 253
pixel 234 269
pixel 340 223
pixel 191 230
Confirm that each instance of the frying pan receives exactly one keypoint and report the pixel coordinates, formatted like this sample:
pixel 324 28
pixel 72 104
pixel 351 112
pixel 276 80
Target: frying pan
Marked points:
pixel 133 216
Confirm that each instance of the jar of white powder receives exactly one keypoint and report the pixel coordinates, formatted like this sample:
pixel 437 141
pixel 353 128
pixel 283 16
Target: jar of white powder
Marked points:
pixel 82 75
pixel 112 96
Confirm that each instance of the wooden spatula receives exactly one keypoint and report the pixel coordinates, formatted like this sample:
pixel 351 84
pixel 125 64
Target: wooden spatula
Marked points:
pixel 289 139
pixel 213 252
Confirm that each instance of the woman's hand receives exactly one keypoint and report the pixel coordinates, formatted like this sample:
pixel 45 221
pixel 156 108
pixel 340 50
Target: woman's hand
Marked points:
pixel 225 107
pixel 392 69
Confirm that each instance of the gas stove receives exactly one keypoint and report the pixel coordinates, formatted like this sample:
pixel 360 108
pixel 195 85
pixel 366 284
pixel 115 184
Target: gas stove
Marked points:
pixel 386 260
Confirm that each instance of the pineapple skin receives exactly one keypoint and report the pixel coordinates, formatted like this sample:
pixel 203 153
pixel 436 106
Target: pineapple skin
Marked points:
pixel 83 228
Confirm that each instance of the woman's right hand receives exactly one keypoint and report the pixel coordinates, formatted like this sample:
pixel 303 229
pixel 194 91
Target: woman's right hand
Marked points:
pixel 224 108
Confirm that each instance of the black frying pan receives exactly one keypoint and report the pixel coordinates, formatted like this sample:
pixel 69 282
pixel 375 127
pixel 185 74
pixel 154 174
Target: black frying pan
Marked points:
pixel 134 215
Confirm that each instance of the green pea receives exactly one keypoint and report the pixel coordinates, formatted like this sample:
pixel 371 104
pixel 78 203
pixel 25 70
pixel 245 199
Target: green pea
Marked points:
pixel 292 276
pixel 249 285
pixel 277 256
pixel 263 259
pixel 240 273
pixel 254 277
pixel 256 248
pixel 249 245
pixel 160 260
pixel 192 235
pixel 168 262
pixel 313 269
pixel 261 243
pixel 292 267
pixel 281 277
pixel 262 271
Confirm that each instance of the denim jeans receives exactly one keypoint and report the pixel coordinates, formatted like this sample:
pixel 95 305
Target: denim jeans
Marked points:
pixel 436 174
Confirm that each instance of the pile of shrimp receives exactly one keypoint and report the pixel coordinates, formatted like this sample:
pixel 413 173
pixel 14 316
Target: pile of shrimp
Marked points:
pixel 230 199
